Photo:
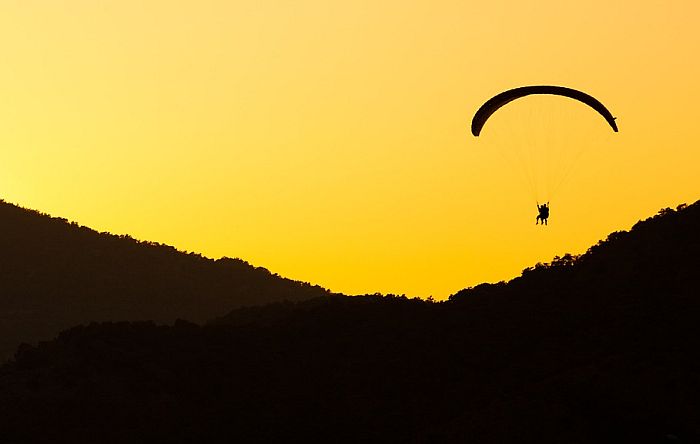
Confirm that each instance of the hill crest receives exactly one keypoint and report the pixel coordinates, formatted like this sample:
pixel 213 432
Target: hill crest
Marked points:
pixel 601 348
pixel 55 274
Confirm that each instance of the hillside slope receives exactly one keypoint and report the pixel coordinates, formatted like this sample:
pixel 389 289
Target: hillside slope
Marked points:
pixel 55 274
pixel 603 348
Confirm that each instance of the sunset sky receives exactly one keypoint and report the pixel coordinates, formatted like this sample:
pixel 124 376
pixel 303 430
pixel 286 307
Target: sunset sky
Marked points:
pixel 329 141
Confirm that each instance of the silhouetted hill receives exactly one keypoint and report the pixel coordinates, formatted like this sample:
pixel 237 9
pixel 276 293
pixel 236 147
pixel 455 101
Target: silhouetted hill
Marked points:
pixel 602 348
pixel 55 274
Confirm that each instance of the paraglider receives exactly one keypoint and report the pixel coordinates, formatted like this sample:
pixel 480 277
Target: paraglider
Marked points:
pixel 533 163
pixel 543 213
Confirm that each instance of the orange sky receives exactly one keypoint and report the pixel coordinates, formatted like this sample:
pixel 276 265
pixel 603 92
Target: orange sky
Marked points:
pixel 329 142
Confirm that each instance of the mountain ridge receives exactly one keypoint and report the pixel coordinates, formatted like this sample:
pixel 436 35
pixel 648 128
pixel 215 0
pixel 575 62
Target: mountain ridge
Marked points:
pixel 55 274
pixel 598 348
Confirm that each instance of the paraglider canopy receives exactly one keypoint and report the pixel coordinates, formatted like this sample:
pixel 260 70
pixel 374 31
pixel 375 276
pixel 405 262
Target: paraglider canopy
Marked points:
pixel 539 137
pixel 496 102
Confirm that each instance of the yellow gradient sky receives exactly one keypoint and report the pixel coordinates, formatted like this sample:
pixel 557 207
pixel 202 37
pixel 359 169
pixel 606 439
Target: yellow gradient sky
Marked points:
pixel 328 141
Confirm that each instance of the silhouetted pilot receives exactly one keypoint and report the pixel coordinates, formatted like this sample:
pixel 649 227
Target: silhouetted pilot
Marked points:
pixel 544 213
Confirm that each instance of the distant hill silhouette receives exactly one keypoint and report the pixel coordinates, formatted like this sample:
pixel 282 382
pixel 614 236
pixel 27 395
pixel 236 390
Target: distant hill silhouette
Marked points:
pixel 55 274
pixel 601 348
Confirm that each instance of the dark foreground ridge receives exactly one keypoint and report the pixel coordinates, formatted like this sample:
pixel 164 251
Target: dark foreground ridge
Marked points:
pixel 55 274
pixel 601 348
